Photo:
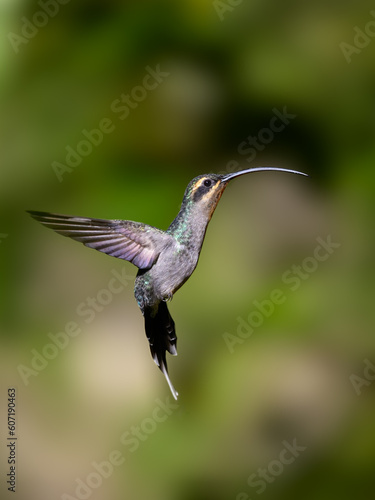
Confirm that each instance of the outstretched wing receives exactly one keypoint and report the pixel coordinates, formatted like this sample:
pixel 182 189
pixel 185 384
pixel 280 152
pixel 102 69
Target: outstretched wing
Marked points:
pixel 135 242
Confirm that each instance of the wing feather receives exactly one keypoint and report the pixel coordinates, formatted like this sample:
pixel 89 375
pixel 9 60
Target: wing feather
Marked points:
pixel 135 242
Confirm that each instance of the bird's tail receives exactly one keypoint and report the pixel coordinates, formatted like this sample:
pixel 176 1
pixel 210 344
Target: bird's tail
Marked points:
pixel 161 335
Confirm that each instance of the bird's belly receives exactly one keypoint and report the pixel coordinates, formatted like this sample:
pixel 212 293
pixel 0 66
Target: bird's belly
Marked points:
pixel 171 272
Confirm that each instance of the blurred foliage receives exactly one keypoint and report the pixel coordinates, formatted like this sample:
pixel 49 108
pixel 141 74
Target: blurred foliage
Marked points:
pixel 290 379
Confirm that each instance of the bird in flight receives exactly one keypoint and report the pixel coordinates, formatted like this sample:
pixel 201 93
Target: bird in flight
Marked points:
pixel 165 259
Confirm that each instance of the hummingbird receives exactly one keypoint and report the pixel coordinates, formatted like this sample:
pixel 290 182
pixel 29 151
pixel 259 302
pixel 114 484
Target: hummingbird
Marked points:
pixel 165 259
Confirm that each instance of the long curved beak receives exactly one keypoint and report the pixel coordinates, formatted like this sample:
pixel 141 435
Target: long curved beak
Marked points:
pixel 228 177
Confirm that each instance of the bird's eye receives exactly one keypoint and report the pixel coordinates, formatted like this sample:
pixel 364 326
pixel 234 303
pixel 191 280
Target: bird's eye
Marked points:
pixel 207 183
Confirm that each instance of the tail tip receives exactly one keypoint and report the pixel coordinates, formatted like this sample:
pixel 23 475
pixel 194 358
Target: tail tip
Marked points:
pixel 165 372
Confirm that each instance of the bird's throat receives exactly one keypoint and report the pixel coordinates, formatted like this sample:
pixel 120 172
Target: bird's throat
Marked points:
pixel 189 227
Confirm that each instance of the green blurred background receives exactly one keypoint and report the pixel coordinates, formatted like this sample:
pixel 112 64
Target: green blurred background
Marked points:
pixel 290 379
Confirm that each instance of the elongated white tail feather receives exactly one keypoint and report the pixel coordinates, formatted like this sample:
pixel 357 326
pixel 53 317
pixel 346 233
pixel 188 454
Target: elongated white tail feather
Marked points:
pixel 173 390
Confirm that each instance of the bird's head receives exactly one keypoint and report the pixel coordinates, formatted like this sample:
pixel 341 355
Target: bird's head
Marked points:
pixel 205 190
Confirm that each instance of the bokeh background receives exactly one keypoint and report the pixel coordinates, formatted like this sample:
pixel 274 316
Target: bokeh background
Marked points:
pixel 289 380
